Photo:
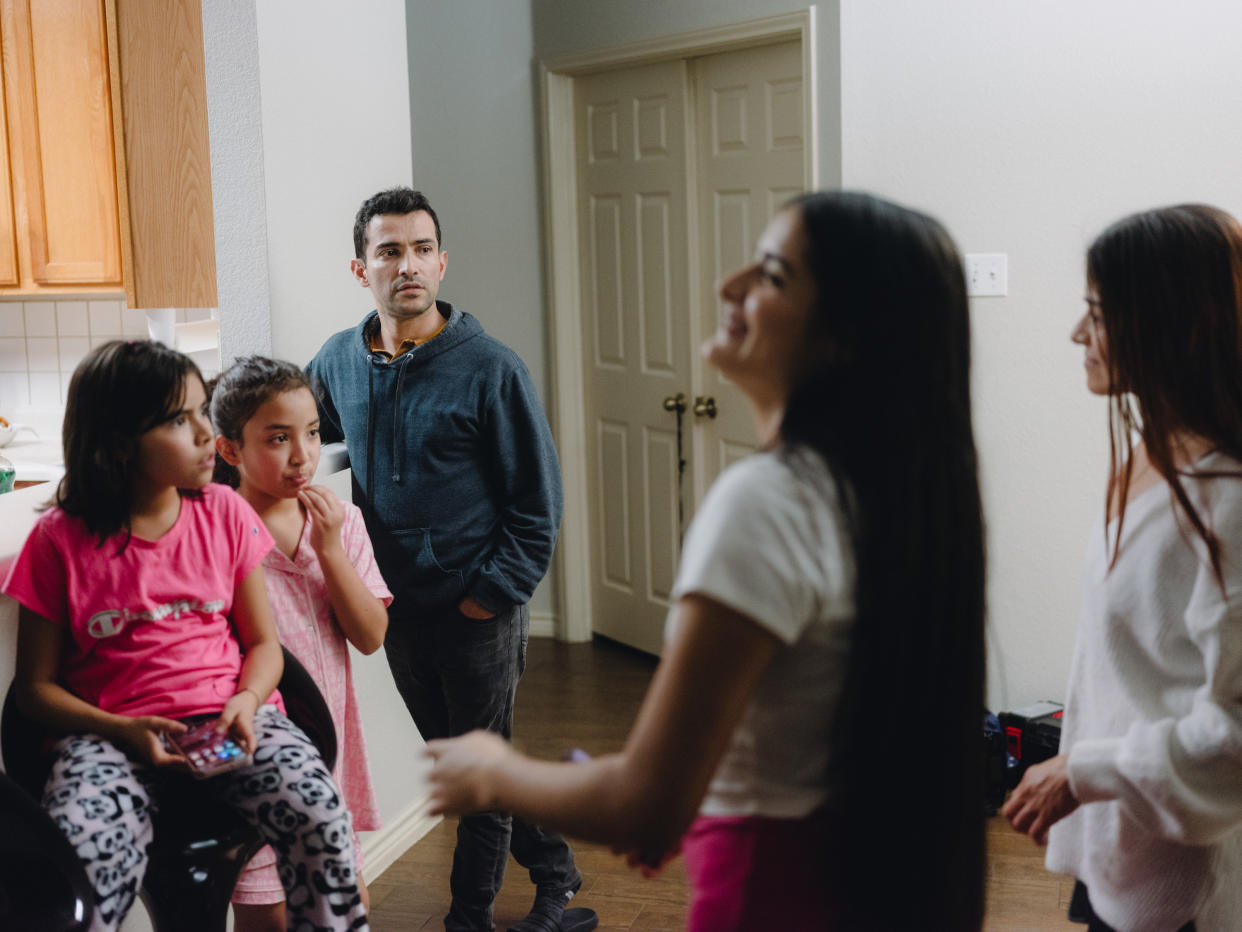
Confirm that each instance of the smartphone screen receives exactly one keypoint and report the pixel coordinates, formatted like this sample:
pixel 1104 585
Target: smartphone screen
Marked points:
pixel 208 752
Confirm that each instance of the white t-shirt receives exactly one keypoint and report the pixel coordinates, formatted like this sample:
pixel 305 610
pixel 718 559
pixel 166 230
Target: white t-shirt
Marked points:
pixel 771 543
pixel 1153 720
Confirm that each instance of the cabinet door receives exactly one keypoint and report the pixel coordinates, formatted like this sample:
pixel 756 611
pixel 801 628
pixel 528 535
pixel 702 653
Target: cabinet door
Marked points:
pixel 8 225
pixel 63 154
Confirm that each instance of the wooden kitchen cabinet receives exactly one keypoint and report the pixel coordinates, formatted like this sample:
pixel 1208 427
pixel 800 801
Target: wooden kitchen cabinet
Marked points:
pixel 105 150
pixel 8 225
pixel 62 167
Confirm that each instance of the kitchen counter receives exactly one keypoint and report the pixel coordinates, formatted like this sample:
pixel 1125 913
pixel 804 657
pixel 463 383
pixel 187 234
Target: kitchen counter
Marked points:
pixel 37 457
pixel 19 510
pixel 34 460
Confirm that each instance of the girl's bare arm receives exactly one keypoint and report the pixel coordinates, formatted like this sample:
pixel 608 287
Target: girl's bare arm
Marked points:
pixel 362 617
pixel 263 660
pixel 644 798
pixel 40 696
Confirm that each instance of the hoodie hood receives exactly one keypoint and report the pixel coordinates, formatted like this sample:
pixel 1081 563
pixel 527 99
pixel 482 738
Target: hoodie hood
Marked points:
pixel 458 328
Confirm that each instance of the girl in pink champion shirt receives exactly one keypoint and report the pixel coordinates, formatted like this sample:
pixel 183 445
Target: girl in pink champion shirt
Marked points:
pixel 321 577
pixel 143 604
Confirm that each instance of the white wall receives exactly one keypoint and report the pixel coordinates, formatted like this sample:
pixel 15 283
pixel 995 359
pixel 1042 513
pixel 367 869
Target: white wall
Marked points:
pixel 1027 128
pixel 231 62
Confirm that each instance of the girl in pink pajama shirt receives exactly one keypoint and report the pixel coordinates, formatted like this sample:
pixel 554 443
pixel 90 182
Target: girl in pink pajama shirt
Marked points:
pixel 325 588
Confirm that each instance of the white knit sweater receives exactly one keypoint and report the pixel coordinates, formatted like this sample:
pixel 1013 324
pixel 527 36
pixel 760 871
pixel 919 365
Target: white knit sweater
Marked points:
pixel 1153 721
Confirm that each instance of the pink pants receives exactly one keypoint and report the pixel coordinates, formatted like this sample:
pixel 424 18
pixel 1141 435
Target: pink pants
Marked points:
pixel 756 874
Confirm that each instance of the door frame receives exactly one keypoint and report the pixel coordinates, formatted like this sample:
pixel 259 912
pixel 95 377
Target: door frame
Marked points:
pixel 562 263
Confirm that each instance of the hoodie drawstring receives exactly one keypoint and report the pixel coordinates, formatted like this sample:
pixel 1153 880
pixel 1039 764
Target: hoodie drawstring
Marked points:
pixel 370 434
pixel 398 438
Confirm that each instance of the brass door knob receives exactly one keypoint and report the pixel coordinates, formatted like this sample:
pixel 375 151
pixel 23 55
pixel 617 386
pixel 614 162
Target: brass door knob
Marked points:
pixel 704 407
pixel 675 402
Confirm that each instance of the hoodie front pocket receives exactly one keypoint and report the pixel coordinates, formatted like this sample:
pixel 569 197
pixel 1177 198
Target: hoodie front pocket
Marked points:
pixel 422 578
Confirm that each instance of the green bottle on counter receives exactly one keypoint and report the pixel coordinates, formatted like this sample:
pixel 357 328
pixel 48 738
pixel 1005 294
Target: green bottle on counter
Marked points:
pixel 7 472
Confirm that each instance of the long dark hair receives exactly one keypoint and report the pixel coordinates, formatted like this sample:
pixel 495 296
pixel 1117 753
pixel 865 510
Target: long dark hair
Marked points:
pixel 239 392
pixel 890 413
pixel 117 393
pixel 1169 283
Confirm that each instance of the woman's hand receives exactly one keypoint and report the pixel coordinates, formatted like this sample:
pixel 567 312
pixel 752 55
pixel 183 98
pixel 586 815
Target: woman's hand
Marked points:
pixel 327 515
pixel 647 864
pixel 144 737
pixel 1042 799
pixel 462 778
pixel 237 718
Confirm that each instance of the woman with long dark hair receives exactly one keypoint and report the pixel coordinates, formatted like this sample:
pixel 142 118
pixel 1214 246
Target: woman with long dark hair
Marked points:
pixel 824 655
pixel 1145 800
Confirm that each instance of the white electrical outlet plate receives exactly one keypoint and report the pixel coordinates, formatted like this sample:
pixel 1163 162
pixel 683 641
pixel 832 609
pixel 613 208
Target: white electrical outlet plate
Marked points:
pixel 987 274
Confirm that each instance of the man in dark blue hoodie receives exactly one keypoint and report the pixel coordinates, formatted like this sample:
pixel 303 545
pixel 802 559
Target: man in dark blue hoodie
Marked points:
pixel 455 471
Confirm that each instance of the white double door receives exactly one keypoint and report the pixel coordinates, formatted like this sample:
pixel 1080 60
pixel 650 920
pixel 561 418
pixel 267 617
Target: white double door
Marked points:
pixel 680 165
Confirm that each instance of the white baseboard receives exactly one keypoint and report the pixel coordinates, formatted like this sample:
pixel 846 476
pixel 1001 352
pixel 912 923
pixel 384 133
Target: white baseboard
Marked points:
pixel 542 625
pixel 380 849
pixel 546 625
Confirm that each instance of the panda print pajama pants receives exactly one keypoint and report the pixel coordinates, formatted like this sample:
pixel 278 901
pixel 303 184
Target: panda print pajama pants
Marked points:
pixel 102 802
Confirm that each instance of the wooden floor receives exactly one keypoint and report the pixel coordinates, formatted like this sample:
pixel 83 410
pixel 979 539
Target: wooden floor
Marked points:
pixel 586 695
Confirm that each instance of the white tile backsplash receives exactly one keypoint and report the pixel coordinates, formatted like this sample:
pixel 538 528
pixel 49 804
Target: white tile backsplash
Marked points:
pixel 12 354
pixel 71 319
pixel 45 388
pixel 42 342
pixel 12 321
pixel 40 318
pixel 133 322
pixel 105 319
pixel 14 390
pixel 72 349
pixel 43 354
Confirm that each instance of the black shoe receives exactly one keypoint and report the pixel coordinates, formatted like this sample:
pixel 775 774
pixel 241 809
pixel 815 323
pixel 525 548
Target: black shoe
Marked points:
pixel 549 914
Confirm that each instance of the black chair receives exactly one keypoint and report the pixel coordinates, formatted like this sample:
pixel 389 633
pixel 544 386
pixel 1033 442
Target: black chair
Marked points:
pixel 200 844
pixel 42 884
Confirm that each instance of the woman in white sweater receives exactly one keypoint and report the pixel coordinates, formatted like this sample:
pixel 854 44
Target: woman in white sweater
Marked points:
pixel 1144 802
pixel 830 586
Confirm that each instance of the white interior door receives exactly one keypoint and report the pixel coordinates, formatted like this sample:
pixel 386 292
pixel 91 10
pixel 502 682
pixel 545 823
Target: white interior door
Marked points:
pixel 724 134
pixel 750 142
pixel 632 222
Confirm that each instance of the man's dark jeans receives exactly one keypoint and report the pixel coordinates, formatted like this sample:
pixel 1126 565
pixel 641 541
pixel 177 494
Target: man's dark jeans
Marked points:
pixel 457 674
